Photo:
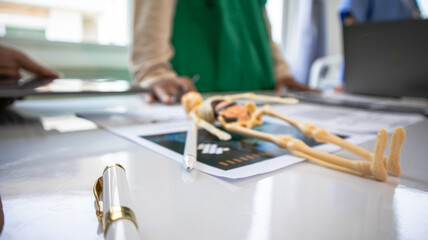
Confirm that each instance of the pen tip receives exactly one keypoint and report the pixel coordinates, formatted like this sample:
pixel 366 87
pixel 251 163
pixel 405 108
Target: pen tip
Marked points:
pixel 189 169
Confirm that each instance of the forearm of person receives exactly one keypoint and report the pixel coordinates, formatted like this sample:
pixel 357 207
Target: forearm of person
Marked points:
pixel 151 47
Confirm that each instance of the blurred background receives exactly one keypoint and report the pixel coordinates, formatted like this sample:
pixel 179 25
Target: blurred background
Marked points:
pixel 90 38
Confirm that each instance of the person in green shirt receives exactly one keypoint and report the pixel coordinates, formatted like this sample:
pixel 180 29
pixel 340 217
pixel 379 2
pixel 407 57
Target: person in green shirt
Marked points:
pixel 225 44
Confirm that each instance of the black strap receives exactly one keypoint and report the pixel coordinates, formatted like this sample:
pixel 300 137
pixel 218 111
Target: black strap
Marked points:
pixel 225 107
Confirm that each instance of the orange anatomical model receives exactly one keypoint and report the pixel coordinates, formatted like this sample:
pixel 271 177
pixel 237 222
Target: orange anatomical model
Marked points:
pixel 241 119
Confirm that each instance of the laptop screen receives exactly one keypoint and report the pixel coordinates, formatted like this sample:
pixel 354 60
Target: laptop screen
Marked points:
pixel 387 58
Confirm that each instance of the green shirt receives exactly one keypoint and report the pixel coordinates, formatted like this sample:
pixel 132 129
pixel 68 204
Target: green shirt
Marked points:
pixel 225 42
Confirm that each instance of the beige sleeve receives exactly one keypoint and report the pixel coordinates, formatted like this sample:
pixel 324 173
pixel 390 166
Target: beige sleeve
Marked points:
pixel 151 46
pixel 281 68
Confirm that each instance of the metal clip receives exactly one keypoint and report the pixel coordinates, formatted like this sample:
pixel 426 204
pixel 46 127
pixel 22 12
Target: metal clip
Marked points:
pixel 98 190
pixel 117 213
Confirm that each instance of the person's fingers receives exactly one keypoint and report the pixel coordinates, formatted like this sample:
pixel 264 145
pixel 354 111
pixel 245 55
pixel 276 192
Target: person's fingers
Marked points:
pixel 170 92
pixel 290 83
pixel 167 92
pixel 278 87
pixel 339 89
pixel 5 102
pixel 30 65
pixel 295 85
pixel 148 97
pixel 9 73
pixel 8 82
pixel 186 84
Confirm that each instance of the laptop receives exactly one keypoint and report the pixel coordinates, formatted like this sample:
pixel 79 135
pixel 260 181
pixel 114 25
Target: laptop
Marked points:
pixel 388 59
pixel 386 68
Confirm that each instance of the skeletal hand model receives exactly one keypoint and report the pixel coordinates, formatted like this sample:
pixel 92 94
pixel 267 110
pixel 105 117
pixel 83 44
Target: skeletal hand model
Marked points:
pixel 241 119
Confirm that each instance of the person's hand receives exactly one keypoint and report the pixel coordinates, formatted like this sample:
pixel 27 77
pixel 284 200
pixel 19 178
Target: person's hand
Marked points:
pixel 349 20
pixel 290 83
pixel 12 60
pixel 170 91
pixel 339 89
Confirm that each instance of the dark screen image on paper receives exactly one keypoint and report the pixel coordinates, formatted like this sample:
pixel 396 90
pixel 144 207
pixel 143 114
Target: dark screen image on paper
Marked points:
pixel 238 152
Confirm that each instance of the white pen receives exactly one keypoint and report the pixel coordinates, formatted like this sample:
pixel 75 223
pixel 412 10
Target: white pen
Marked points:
pixel 114 209
pixel 190 152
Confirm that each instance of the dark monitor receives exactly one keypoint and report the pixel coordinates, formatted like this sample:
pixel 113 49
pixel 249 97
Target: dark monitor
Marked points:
pixel 387 58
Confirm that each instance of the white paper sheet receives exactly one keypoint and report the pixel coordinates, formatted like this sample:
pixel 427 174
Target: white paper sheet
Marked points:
pixel 134 133
pixel 348 120
pixel 358 125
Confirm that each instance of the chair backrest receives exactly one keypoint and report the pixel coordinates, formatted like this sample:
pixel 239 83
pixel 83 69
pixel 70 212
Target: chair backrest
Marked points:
pixel 326 72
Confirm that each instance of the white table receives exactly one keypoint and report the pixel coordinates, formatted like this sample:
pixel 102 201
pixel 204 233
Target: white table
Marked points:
pixel 46 180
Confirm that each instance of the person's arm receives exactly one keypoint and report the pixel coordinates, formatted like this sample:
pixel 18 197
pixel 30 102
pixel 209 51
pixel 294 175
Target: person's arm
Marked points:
pixel 283 76
pixel 152 50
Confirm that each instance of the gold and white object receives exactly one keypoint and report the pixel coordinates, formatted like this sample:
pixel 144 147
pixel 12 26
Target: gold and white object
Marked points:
pixel 113 203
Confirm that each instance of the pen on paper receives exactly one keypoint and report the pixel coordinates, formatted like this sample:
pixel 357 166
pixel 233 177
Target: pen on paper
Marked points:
pixel 195 78
pixel 190 151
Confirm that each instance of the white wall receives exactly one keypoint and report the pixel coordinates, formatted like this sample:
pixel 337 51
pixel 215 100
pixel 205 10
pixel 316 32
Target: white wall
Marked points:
pixel 282 13
pixel 334 28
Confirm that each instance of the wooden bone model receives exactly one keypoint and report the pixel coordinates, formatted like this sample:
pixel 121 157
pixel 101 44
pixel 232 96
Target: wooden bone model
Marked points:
pixel 241 119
